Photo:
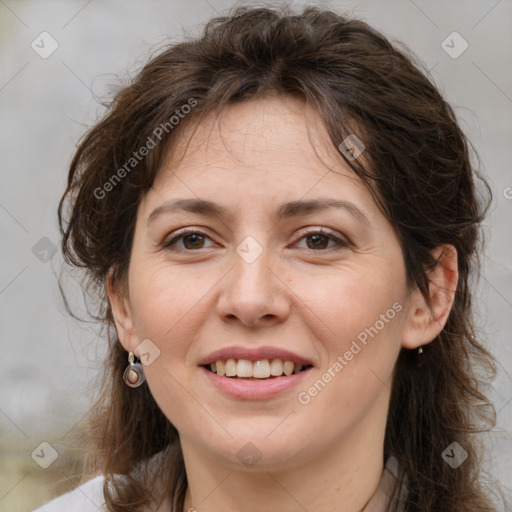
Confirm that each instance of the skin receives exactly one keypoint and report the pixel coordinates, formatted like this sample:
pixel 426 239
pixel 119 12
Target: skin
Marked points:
pixel 325 455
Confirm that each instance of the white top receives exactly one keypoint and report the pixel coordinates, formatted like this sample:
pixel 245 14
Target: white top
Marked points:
pixel 86 498
pixel 89 496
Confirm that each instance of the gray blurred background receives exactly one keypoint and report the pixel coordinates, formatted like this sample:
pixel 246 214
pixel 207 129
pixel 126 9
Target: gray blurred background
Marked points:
pixel 58 59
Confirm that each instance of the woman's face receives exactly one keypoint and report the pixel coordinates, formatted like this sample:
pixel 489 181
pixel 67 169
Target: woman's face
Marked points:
pixel 253 276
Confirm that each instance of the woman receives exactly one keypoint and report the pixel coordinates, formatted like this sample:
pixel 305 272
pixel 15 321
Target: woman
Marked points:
pixel 281 219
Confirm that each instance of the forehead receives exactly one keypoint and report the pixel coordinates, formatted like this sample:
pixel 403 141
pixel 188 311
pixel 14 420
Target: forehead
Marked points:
pixel 269 139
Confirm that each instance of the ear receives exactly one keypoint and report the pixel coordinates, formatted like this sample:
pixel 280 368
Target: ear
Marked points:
pixel 119 303
pixel 424 323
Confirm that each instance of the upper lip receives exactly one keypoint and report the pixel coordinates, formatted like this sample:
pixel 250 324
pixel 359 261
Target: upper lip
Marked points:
pixel 253 354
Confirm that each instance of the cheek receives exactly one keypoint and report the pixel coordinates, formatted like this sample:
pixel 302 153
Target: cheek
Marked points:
pixel 170 306
pixel 364 314
pixel 351 300
pixel 360 357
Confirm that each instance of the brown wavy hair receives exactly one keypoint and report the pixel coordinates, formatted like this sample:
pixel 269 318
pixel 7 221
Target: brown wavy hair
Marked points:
pixel 418 168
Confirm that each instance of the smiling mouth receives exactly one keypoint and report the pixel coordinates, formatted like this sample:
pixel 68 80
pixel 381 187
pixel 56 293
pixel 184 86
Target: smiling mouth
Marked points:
pixel 257 370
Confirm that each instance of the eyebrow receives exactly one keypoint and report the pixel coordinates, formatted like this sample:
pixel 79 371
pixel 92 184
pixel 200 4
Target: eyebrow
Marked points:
pixel 285 211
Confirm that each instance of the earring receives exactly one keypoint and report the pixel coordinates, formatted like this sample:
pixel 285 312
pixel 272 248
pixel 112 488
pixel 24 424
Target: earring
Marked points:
pixel 420 351
pixel 134 373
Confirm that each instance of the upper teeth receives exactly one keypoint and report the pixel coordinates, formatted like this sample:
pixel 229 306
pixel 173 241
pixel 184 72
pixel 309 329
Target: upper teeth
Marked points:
pixel 259 369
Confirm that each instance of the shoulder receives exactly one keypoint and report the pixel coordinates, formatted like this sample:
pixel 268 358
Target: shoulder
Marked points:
pixel 86 498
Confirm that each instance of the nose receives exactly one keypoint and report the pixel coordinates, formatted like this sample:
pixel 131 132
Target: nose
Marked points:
pixel 254 293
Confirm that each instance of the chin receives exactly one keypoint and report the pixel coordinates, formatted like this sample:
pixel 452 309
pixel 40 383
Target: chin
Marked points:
pixel 270 449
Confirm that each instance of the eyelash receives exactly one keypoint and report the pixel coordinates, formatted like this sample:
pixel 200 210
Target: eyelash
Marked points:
pixel 168 244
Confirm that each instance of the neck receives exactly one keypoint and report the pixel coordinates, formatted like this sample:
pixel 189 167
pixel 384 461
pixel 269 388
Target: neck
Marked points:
pixel 343 478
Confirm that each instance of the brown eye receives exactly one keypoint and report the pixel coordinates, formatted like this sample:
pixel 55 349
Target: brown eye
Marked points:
pixel 319 240
pixel 191 240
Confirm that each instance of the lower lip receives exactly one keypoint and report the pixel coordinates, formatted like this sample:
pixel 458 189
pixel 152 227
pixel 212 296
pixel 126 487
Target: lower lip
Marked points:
pixel 254 389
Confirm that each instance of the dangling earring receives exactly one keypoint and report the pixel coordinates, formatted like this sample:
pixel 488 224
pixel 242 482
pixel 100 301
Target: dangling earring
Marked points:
pixel 420 351
pixel 134 373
